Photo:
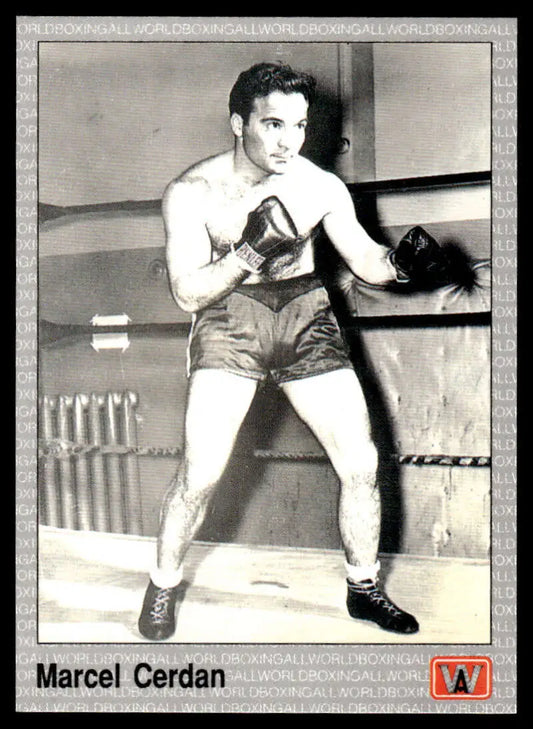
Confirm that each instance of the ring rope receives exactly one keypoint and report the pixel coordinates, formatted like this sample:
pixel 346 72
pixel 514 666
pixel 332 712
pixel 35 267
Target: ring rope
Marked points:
pixel 65 449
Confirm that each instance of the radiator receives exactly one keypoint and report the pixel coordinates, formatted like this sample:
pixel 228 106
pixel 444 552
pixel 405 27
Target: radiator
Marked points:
pixel 91 485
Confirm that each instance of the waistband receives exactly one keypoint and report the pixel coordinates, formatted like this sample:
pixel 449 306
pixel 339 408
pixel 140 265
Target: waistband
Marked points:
pixel 277 294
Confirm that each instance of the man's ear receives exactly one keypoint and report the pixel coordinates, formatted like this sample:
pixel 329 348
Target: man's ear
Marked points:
pixel 237 124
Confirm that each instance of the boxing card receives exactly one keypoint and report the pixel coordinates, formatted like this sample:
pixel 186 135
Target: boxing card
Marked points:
pixel 280 488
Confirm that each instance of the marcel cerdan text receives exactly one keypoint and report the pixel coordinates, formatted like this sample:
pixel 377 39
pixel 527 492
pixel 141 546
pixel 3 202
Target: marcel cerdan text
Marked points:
pixel 144 675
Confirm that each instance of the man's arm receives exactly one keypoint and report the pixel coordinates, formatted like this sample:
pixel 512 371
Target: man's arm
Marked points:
pixel 366 259
pixel 195 280
pixel 417 260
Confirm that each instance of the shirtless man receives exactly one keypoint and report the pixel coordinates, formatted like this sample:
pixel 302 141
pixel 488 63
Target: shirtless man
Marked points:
pixel 259 309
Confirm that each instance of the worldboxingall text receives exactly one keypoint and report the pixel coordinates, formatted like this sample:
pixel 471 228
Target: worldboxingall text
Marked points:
pixel 305 29
pixel 277 707
pixel 319 660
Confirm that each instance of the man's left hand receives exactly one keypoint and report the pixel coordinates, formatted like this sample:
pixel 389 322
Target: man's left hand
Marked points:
pixel 420 261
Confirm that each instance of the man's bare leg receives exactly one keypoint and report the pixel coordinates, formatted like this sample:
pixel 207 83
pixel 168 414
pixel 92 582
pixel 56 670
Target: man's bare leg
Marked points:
pixel 217 404
pixel 333 406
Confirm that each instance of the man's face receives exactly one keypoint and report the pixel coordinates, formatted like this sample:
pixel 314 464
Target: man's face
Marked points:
pixel 275 131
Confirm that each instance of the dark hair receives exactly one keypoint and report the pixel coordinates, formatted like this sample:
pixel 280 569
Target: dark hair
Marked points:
pixel 264 78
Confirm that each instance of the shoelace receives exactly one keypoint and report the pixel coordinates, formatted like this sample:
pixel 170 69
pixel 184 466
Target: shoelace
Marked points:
pixel 159 609
pixel 377 597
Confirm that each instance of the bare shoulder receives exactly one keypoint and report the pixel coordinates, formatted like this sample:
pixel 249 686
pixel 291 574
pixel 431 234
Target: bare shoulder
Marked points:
pixel 313 175
pixel 194 184
pixel 323 187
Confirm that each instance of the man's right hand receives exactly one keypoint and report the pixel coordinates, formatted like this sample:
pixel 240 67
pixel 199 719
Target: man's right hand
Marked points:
pixel 269 231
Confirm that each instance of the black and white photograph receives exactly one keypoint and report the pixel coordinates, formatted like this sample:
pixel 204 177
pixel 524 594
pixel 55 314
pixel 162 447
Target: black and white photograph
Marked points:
pixel 264 382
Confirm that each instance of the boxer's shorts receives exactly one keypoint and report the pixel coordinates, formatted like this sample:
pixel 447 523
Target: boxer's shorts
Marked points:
pixel 285 329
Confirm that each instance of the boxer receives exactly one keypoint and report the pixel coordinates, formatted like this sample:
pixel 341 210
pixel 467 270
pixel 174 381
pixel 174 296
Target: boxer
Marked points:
pixel 241 228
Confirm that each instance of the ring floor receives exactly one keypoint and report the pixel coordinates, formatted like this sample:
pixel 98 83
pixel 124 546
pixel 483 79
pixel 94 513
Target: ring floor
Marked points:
pixel 91 587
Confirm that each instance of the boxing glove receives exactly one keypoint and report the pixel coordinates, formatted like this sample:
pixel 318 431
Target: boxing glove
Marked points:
pixel 269 231
pixel 420 261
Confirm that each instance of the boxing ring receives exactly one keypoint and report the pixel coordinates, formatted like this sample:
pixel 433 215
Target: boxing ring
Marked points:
pixel 99 455
pixel 91 587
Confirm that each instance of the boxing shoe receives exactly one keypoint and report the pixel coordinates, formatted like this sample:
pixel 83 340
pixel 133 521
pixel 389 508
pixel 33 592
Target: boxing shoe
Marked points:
pixel 157 620
pixel 365 601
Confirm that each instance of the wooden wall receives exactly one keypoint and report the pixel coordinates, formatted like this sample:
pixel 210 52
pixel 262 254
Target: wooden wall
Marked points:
pixel 118 121
pixel 428 392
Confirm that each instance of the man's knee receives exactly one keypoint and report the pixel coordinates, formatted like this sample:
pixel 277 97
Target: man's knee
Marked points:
pixel 202 478
pixel 193 484
pixel 369 456
pixel 358 464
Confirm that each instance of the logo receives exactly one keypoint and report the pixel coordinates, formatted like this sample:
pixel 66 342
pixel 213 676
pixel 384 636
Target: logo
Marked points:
pixel 460 677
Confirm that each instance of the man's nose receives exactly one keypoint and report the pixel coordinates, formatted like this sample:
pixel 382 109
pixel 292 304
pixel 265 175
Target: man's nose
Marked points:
pixel 288 139
pixel 291 138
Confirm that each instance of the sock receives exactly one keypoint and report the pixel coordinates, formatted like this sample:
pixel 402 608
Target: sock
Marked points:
pixel 358 574
pixel 166 578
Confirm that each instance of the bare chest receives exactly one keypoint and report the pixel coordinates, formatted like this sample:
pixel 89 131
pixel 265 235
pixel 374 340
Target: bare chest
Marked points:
pixel 228 206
